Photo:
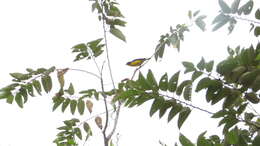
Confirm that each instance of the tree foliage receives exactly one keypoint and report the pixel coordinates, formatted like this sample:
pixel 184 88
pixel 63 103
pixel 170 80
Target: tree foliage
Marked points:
pixel 234 82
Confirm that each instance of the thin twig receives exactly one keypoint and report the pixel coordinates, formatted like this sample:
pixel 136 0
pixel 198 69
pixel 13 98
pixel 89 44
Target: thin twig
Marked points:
pixel 106 45
pixel 85 72
pixel 116 121
pixel 245 19
pixel 188 104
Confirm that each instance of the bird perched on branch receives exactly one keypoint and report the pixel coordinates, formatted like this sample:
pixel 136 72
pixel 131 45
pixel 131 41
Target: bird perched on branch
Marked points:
pixel 136 62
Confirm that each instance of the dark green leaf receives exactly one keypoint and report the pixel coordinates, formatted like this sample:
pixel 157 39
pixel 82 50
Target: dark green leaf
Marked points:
pixel 203 83
pixel 23 92
pixel 9 98
pixel 182 85
pixel 117 33
pixel 256 84
pixel 73 105
pixel 46 83
pixel 20 76
pixel 176 108
pixel 183 116
pixel 246 8
pixel 30 89
pixel 143 82
pixel 163 84
pixel 202 141
pixel 189 66
pixel 157 104
pixel 81 107
pixel 219 114
pixel 87 128
pixel 257 31
pixel 209 66
pixel 195 75
pixel 19 100
pixel 231 99
pixel 187 92
pixel 252 97
pixel 78 133
pixel 256 141
pixel 57 102
pixel 173 82
pixel 71 89
pixel 37 86
pixel 65 104
pixel 232 136
pixel 201 65
pixel 241 108
pixel 224 7
pixel 185 141
pixel 166 105
pixel 151 79
pixel 257 14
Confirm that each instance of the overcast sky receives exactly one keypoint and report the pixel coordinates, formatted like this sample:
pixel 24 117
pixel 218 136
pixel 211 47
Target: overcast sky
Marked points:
pixel 40 33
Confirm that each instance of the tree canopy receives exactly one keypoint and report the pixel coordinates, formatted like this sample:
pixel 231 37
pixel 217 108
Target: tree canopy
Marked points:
pixel 233 83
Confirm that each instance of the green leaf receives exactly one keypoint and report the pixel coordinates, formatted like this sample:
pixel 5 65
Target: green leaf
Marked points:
pixel 163 84
pixel 195 75
pixel 46 83
pixel 252 97
pixel 182 85
pixel 256 84
pixel 173 82
pixel 202 64
pixel 187 92
pixel 234 6
pixel 166 105
pixel 219 114
pixel 256 141
pixel 246 8
pixel 73 105
pixel 183 116
pixel 224 7
pixel 200 22
pixel 196 13
pixel 37 85
pixel 190 14
pixel 257 14
pixel 71 89
pixel 143 82
pixel 232 136
pixel 257 31
pixel 81 107
pixel 78 133
pixel 19 100
pixel 203 83
pixel 223 19
pixel 185 141
pixel 176 108
pixel 20 76
pixel 241 108
pixel 189 66
pixel 117 33
pixel 87 128
pixel 258 57
pixel 152 81
pixel 23 92
pixel 157 104
pixel 29 88
pixel 231 99
pixel 57 102
pixel 9 98
pixel 65 104
pixel 202 141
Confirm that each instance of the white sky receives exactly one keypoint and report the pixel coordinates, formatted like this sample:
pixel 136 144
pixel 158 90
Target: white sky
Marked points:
pixel 40 33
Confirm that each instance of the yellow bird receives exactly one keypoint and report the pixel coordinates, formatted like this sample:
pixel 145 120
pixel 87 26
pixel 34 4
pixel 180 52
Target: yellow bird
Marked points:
pixel 136 62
